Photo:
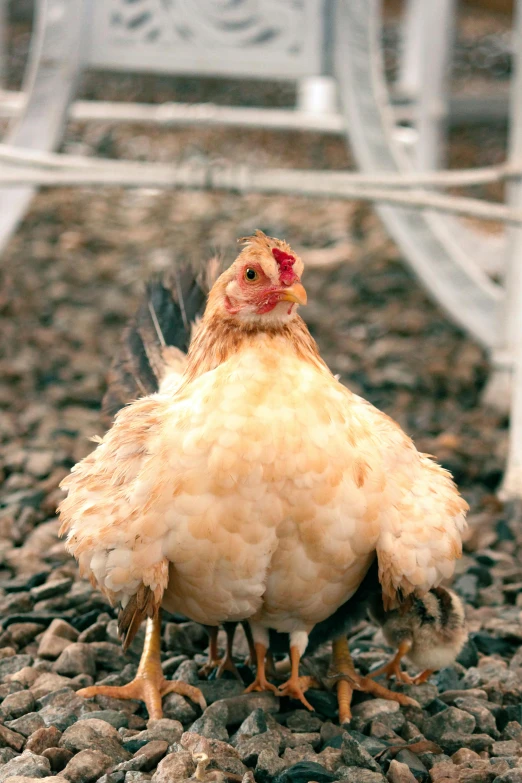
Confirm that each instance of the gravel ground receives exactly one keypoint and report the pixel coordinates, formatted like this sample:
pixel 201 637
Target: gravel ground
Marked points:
pixel 71 277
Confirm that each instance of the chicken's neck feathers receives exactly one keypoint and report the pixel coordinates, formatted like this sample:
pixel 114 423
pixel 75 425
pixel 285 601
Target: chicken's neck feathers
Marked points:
pixel 219 338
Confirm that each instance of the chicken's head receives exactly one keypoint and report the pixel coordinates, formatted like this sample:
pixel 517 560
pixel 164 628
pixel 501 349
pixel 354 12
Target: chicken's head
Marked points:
pixel 264 282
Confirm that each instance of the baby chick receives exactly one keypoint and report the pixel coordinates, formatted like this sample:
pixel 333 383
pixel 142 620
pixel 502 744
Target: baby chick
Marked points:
pixel 429 631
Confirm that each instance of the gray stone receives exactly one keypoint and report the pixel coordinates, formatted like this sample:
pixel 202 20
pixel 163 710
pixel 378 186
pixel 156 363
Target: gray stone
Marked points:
pixel 96 735
pixel 302 720
pixel 176 707
pixel 23 633
pixel 11 739
pixel 6 754
pixel 213 722
pixel 400 773
pixel 366 711
pixel 26 724
pixel 506 748
pixel 62 708
pixel 174 767
pixel 49 682
pixel 107 656
pixel 41 739
pixel 250 749
pixel 113 777
pixel 268 766
pixel 56 638
pixel 115 718
pixel 354 755
pixel 28 765
pixel 511 776
pixel 293 740
pixel 51 589
pixel 17 704
pixel 152 753
pixel 414 764
pixel 450 720
pixel 137 777
pixel 304 772
pixel 87 766
pixel 76 659
pixel 485 721
pixel 13 664
pixel 168 731
pixel 58 758
pixel 355 775
pixel 253 725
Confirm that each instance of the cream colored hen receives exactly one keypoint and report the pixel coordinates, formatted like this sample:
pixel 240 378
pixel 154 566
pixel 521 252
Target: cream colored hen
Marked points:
pixel 257 486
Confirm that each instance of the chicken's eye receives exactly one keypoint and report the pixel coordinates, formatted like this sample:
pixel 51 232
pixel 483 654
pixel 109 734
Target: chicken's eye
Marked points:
pixel 251 274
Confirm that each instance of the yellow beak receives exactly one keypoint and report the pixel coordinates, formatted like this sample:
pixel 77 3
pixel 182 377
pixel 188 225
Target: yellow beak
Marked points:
pixel 296 293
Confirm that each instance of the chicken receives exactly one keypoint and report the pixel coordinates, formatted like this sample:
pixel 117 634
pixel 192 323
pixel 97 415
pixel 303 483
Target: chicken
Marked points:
pixel 257 487
pixel 430 631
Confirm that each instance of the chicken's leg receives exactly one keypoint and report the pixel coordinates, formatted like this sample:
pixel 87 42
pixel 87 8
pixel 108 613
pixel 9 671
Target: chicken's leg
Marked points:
pixel 343 673
pixel 149 685
pixel 294 685
pixel 227 663
pixel 213 652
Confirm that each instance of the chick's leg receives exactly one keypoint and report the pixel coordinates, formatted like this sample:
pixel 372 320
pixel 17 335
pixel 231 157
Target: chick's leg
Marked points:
pixel 393 667
pixel 149 685
pixel 213 652
pixel 343 673
pixel 227 663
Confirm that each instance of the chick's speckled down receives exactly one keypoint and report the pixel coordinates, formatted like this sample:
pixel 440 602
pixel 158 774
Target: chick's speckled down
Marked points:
pixel 255 485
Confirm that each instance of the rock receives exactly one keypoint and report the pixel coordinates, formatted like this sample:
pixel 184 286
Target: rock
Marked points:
pixel 56 638
pixel 49 682
pixel 356 775
pixel 213 722
pixel 176 707
pixel 26 724
pixel 506 748
pixel 28 765
pixel 41 739
pixel 76 659
pixel 17 704
pixel 58 758
pixel 11 739
pixel 174 767
pixel 168 731
pixel 13 664
pixel 250 749
pixel 302 720
pixel 16 603
pixel 39 463
pixel 449 720
pixel 511 776
pixel 95 735
pixel 354 755
pixel 113 777
pixel 62 708
pixel 115 718
pixel 304 772
pixel 464 756
pixel 414 764
pixel 25 677
pixel 23 633
pixel 485 722
pixel 51 589
pixel 137 777
pixel 255 724
pixel 312 738
pixel 6 754
pixel 399 773
pixel 87 766
pixel 366 711
pixel 268 766
pixel 151 754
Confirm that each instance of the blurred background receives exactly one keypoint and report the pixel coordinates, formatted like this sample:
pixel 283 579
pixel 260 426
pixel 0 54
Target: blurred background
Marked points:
pixel 73 271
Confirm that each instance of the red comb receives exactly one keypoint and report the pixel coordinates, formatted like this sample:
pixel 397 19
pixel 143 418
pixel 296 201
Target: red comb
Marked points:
pixel 285 263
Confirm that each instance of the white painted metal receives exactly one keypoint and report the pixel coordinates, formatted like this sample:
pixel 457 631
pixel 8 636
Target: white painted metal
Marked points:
pixel 317 95
pixel 53 69
pixel 408 83
pixel 470 297
pixel 280 39
pixel 512 323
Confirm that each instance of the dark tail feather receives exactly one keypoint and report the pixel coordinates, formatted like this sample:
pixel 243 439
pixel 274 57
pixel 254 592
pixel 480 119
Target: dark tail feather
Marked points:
pixel 164 318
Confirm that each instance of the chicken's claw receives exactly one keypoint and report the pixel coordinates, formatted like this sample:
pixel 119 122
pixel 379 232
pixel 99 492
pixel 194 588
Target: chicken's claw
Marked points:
pixel 294 689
